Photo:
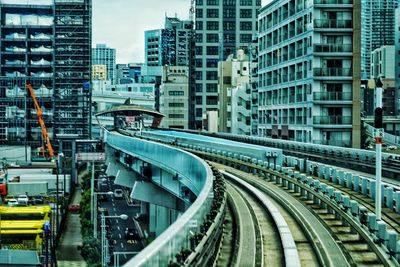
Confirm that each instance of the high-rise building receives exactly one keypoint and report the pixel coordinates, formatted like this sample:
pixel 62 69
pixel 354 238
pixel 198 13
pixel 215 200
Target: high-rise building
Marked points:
pixel 43 44
pixel 127 73
pixel 397 61
pixel 222 26
pixel 174 97
pixel 234 87
pixel 309 72
pixel 377 24
pixel 103 55
pixel 169 46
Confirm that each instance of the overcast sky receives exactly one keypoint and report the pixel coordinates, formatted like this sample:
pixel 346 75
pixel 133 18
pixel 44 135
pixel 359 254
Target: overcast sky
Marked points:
pixel 121 23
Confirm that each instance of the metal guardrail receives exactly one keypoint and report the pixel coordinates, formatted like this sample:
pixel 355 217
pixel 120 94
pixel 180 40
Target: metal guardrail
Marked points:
pixel 195 174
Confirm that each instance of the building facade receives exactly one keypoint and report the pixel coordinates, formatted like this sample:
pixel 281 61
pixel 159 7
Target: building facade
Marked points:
pixel 378 22
pixel 309 72
pixel 99 72
pixel 103 55
pixel 397 61
pixel 174 97
pixel 234 93
pixel 222 26
pixel 42 44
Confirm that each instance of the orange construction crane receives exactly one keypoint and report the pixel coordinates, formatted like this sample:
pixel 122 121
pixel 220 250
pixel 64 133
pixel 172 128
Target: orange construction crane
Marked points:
pixel 39 115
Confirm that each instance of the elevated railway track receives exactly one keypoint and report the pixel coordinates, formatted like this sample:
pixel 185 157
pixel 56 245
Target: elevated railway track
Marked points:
pixel 329 222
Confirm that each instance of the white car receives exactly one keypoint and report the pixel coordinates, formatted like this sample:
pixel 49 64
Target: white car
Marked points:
pixel 23 200
pixel 118 193
pixel 12 202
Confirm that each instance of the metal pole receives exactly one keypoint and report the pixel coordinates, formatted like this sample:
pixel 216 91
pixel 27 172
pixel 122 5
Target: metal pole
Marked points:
pixel 378 145
pixel 92 192
pixel 102 239
pixel 95 218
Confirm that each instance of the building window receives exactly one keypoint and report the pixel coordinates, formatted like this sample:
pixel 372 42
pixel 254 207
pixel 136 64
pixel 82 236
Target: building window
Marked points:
pixel 199 87
pixel 229 2
pixel 212 50
pixel 199 112
pixel 229 26
pixel 199 25
pixel 176 105
pixel 212 13
pixel 211 88
pixel 245 13
pixel 246 26
pixel 199 75
pixel 199 50
pixel 246 2
pixel 199 62
pixel 199 2
pixel 176 93
pixel 176 116
pixel 212 63
pixel 212 100
pixel 199 13
pixel 213 2
pixel 199 37
pixel 212 38
pixel 199 100
pixel 229 37
pixel 211 75
pixel 229 13
pixel 245 38
pixel 212 25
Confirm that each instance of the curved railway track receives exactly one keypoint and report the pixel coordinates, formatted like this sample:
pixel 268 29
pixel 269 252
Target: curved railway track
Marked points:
pixel 312 240
pixel 346 246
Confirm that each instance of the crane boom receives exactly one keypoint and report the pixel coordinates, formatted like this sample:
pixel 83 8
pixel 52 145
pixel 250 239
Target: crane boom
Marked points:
pixel 39 115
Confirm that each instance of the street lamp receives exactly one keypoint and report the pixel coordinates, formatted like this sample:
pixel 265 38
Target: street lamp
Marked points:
pixel 104 241
pixel 94 211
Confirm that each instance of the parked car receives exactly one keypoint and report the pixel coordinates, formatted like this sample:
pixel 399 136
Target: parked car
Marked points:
pixel 23 200
pixel 12 202
pixel 391 147
pixel 38 200
pixel 131 233
pixel 74 208
pixel 7 198
pixel 118 193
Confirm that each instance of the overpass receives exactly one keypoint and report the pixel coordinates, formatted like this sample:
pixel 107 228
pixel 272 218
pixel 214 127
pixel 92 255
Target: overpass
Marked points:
pixel 167 170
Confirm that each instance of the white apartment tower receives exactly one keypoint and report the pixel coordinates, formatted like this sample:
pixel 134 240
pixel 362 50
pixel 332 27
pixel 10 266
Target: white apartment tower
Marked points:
pixel 222 26
pixel 309 71
pixel 174 97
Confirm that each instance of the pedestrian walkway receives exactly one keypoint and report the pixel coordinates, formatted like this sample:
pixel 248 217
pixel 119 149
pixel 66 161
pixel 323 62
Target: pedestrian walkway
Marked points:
pixel 68 254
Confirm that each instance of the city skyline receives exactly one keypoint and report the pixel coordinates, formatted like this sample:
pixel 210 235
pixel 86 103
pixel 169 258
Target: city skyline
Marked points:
pixel 131 49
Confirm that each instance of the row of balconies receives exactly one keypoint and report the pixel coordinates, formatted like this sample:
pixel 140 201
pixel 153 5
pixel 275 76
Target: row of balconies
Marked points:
pixel 298 98
pixel 333 23
pixel 302 120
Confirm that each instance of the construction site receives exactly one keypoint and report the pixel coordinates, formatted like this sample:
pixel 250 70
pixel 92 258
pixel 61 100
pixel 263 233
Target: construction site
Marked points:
pixel 45 44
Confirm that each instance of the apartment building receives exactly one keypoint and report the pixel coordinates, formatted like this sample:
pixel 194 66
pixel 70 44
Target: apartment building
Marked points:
pixel 234 87
pixel 103 55
pixel 222 27
pixel 174 97
pixel 47 44
pixel 99 72
pixel 377 24
pixel 309 71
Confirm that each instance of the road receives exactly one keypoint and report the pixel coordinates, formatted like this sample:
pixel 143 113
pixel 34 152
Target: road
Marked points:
pixel 116 227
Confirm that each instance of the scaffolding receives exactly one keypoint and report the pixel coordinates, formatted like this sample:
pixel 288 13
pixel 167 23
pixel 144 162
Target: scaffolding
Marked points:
pixel 48 46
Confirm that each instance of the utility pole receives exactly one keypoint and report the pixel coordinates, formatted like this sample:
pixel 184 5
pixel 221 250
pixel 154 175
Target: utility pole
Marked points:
pixel 378 145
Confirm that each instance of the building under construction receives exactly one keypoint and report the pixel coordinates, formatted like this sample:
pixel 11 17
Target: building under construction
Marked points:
pixel 46 43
